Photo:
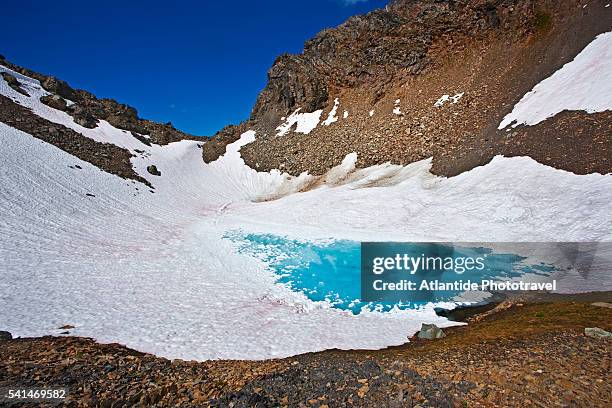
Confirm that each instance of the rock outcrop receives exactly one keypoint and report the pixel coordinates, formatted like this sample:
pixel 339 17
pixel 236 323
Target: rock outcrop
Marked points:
pixel 14 83
pixel 214 147
pixel 54 101
pixel 87 109
pixel 105 156
pixel 403 59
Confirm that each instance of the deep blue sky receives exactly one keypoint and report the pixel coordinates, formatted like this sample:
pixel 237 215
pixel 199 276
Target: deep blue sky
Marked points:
pixel 198 64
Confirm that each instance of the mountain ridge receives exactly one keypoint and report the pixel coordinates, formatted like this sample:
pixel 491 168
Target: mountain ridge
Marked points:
pixel 416 51
pixel 87 109
pixel 375 85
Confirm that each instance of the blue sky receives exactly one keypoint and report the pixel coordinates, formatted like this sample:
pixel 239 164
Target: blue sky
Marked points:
pixel 198 64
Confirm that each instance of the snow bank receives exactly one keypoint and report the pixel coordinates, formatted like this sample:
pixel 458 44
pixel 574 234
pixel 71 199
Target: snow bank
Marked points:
pixel 396 107
pixel 305 122
pixel 153 271
pixel 582 84
pixel 331 117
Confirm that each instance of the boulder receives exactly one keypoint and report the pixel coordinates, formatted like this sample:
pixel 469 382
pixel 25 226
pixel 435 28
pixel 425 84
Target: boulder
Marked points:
pixel 14 83
pixel 5 336
pixel 430 332
pixel 59 87
pixel 153 170
pixel 10 79
pixel 86 120
pixel 597 333
pixel 54 101
pixel 82 116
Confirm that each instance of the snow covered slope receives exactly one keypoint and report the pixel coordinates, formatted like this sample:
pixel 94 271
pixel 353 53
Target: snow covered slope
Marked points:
pixel 152 270
pixel 582 84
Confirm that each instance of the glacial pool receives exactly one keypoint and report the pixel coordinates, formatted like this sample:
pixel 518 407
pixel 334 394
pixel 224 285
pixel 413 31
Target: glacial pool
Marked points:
pixel 331 270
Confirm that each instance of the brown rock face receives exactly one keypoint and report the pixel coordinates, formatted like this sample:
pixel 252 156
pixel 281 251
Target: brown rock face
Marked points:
pixel 54 101
pixel 372 48
pixel 59 87
pixel 214 147
pixel 293 81
pixel 492 52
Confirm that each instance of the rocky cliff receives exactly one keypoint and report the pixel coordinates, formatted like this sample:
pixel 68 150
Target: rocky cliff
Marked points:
pixel 379 76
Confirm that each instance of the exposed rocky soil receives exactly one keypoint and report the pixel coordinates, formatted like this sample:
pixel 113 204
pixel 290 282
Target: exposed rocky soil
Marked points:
pixel 519 355
pixel 575 141
pixel 215 147
pixel 492 51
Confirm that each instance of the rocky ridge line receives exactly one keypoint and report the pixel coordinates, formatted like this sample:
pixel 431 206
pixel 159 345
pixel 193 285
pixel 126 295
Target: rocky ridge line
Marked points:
pixel 105 156
pixel 491 52
pixel 87 109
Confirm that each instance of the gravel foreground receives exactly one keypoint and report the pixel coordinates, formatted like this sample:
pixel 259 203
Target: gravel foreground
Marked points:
pixel 514 355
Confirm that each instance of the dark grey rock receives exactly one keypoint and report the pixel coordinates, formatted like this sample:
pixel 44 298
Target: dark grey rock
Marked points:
pixel 54 101
pixel 5 336
pixel 14 83
pixel 86 120
pixel 59 87
pixel 153 170
pixel 430 332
